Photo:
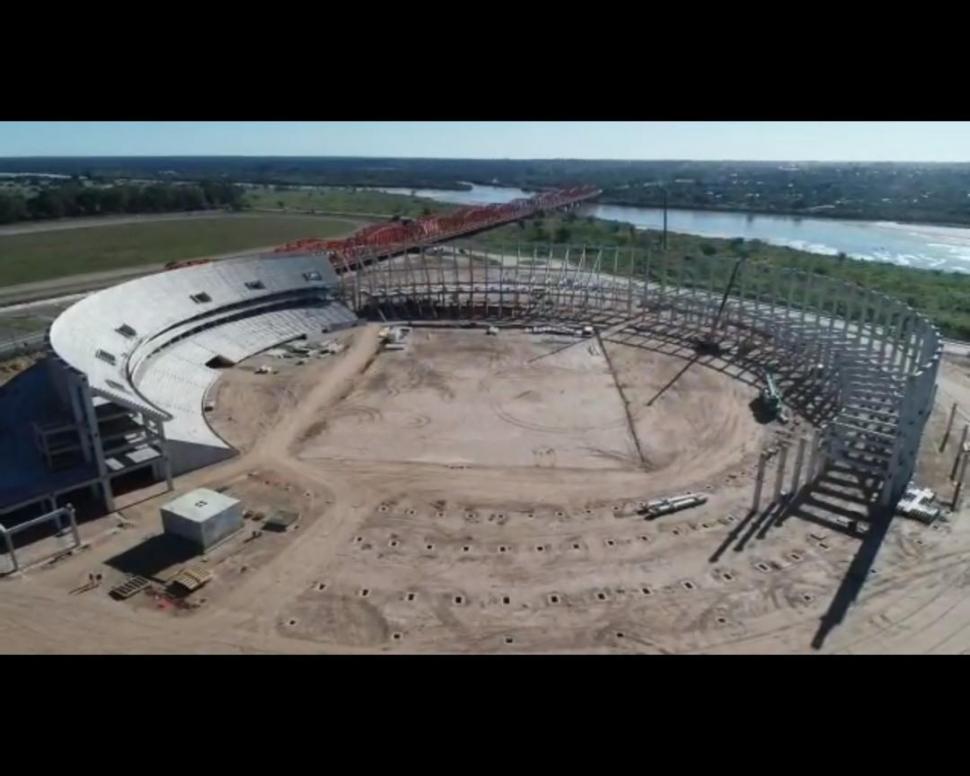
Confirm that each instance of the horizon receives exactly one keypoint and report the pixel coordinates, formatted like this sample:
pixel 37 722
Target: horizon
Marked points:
pixel 713 141
pixel 659 160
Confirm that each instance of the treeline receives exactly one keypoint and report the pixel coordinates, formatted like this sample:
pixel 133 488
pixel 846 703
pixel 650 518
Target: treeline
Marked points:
pixel 71 199
pixel 937 192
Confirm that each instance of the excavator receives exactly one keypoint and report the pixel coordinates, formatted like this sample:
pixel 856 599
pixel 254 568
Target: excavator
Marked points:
pixel 771 399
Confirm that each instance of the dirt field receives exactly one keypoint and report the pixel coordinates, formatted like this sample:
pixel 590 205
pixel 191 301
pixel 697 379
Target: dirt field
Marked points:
pixel 454 535
pixel 461 397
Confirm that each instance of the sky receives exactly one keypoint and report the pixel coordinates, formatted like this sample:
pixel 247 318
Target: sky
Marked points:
pixel 799 141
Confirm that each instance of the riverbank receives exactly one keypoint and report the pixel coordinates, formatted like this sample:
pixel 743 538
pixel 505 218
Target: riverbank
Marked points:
pixel 821 213
pixel 942 296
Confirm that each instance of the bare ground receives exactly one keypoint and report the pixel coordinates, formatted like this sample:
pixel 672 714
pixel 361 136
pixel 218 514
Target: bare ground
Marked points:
pixel 421 547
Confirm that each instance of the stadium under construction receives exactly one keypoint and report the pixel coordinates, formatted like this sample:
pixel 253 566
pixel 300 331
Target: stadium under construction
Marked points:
pixel 841 380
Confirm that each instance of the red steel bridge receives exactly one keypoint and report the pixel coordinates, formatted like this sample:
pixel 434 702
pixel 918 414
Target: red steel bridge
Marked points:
pixel 378 241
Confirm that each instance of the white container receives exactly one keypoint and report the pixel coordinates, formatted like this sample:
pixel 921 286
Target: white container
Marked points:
pixel 203 517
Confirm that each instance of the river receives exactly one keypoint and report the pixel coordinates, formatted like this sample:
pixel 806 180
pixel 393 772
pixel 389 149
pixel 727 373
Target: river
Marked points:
pixel 912 245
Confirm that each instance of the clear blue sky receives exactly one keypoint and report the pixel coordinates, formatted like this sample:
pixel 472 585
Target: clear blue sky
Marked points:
pixel 838 141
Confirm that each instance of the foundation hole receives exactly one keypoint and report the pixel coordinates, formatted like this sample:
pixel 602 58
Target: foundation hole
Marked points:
pixel 291 623
pixel 412 512
pixel 506 600
pixel 540 548
pixel 575 546
pixel 429 546
pixel 727 576
pixel 620 634
pixel 808 597
pixel 359 539
pixel 722 620
pixel 322 586
pixel 509 640
pixel 646 590
pixel 393 543
pixel 560 513
pixel 823 545
pixel 601 596
pixel 466 548
pixel 396 636
pixel 503 548
pixel 688 585
pixel 675 532
pixel 365 592
pixel 459 600
pixel 410 596
pixel 554 599
pixel 610 543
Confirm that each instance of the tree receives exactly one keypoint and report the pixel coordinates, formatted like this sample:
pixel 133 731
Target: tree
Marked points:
pixel 562 234
pixel 707 249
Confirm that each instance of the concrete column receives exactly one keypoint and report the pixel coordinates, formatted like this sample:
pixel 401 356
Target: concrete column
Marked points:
pixel 713 298
pixel 759 481
pixel 780 474
pixel 646 278
pixel 661 287
pixel 14 566
pixel 815 456
pixel 799 460
pixel 961 451
pixel 69 509
pixel 678 292
pixel 949 425
pixel 613 277
pixel 958 490
pixel 457 280
pixel 629 282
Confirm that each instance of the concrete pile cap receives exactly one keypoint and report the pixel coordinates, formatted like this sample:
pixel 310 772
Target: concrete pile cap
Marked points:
pixel 200 504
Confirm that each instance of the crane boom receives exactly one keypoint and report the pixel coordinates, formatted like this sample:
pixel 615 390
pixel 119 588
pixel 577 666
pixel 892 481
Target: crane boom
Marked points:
pixel 710 343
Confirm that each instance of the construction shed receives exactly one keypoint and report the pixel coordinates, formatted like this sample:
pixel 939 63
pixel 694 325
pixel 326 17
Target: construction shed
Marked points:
pixel 203 517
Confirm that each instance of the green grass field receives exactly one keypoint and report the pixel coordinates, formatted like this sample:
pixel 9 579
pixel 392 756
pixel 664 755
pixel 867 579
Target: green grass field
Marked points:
pixel 26 258
pixel 344 201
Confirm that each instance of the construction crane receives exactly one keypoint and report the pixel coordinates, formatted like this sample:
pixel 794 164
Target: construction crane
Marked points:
pixel 711 344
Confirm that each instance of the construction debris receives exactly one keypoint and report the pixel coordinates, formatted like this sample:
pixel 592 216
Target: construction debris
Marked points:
pixel 917 503
pixel 664 506
pixel 281 520
pixel 128 588
pixel 189 580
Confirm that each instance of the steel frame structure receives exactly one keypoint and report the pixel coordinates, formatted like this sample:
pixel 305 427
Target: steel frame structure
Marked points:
pixel 871 357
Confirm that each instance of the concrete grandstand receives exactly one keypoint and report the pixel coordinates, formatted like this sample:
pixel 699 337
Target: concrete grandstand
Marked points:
pixel 131 366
